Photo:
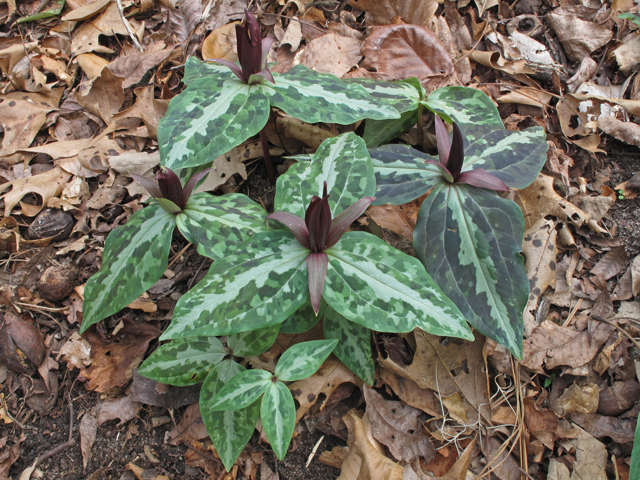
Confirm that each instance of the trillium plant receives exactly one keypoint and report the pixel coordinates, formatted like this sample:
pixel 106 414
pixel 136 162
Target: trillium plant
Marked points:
pixel 310 263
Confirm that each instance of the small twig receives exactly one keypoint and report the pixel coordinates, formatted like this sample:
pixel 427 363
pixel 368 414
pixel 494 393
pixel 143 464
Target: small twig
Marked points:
pixel 29 306
pixel 128 26
pixel 177 255
pixel 620 329
pixel 313 452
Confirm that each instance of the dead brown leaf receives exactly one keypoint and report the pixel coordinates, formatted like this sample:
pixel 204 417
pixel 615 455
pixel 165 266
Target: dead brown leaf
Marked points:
pixel 190 428
pixel 123 409
pixel 400 219
pixel 331 53
pixel 104 97
pixel 578 37
pixel 86 11
pixel 76 352
pixel 578 398
pixel 618 398
pixel 611 264
pixel 627 132
pixel 409 392
pixel 222 42
pixel 132 64
pixel 8 456
pixel 619 430
pixel 88 429
pixel 458 470
pixel 86 38
pixel 147 107
pixel 386 12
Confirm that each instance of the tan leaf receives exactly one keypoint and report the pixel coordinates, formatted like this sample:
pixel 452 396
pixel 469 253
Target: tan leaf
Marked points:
pixel 627 132
pixel 385 12
pixel 400 219
pixel 88 429
pixel 497 62
pixel 147 108
pixel 628 54
pixel 409 392
pixel 190 428
pixel 136 162
pixel 132 64
pixel 76 352
pixel 580 399
pixel 104 97
pixel 591 458
pixel 86 11
pixel 331 53
pixel 221 43
pixel 578 37
pixel 22 116
pixel 47 185
pixel 91 64
pixel 86 38
pixel 611 264
pixel 123 408
pixel 458 470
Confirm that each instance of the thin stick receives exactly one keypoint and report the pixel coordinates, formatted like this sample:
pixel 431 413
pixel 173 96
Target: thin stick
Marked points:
pixel 128 26
pixel 620 329
pixel 267 156
pixel 177 256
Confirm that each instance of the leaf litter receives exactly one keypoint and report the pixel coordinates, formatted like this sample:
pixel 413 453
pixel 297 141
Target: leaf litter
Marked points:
pixel 81 107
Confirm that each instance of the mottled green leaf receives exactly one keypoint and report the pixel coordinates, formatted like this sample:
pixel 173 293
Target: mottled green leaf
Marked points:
pixel 229 430
pixel 379 132
pixel 263 283
pixel 635 454
pixel 253 342
pixel 184 361
pixel 464 105
pixel 354 344
pixel 195 69
pixel 373 284
pixel 400 95
pixel 135 257
pixel 516 158
pixel 469 240
pixel 402 174
pixel 303 359
pixel 319 97
pixel 278 415
pixel 241 391
pixel 303 319
pixel 217 226
pixel 209 118
pixel 343 162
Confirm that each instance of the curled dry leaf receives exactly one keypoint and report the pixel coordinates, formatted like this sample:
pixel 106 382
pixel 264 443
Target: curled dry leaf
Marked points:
pixel 578 37
pixel 123 409
pixel 627 132
pixel 628 54
pixel 88 429
pixel 618 398
pixel 579 399
pixel 618 429
pixel 402 51
pixel 410 393
pixel 611 264
pixel 221 43
pixel 86 37
pixel 133 65
pixel 76 352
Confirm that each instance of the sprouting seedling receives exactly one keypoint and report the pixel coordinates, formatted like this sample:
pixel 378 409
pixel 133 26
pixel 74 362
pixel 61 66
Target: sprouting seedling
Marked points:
pixel 252 53
pixel 317 232
pixel 451 155
pixel 167 190
pixel 620 194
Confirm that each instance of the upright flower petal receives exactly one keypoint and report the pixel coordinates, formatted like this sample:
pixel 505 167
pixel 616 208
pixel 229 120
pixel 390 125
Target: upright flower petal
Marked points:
pixel 442 141
pixel 170 186
pixel 317 264
pixel 456 154
pixel 319 224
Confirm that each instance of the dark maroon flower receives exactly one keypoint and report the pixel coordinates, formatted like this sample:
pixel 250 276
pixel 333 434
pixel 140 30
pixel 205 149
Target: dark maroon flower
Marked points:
pixel 317 232
pixel 167 189
pixel 451 156
pixel 252 53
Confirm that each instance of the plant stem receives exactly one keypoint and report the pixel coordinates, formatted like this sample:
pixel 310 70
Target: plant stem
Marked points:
pixel 421 125
pixel 267 156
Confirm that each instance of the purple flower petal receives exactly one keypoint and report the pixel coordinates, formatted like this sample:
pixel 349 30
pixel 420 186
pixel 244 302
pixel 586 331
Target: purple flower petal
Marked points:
pixel 456 154
pixel 343 221
pixel 234 68
pixel 266 46
pixel 293 223
pixel 317 264
pixel 483 179
pixel 171 186
pixel 442 140
pixel 192 182
pixel 319 224
pixel 149 185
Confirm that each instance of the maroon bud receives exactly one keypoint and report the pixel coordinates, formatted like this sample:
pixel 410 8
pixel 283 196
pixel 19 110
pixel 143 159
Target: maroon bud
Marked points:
pixel 171 187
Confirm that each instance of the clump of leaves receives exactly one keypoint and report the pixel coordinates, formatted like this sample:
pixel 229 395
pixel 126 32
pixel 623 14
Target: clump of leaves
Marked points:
pixel 136 255
pixel 468 237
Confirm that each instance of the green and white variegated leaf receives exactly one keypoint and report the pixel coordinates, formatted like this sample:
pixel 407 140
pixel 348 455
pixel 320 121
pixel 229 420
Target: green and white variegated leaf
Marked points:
pixel 217 226
pixel 232 429
pixel 400 95
pixel 253 342
pixel 278 415
pixel 304 319
pixel 516 158
pixel 195 69
pixel 184 361
pixel 263 283
pixel 373 284
pixel 135 257
pixel 241 391
pixel 469 239
pixel 303 359
pixel 379 132
pixel 464 105
pixel 354 344
pixel 209 118
pixel 320 97
pixel 343 162
pixel 401 174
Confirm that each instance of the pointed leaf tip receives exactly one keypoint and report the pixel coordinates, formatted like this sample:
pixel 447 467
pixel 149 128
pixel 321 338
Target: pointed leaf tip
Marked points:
pixel 483 179
pixel 149 185
pixel 170 186
pixel 456 154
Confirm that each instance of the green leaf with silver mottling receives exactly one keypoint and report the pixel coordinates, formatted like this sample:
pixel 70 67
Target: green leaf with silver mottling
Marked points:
pixel 343 162
pixel 135 257
pixel 209 118
pixel 184 361
pixel 304 319
pixel 354 344
pixel 261 284
pixel 373 284
pixel 469 239
pixel 241 391
pixel 464 105
pixel 401 95
pixel 319 97
pixel 232 429
pixel 402 174
pixel 217 226
pixel 379 132
pixel 278 415
pixel 516 158
pixel 303 359
pixel 195 69
pixel 253 342
pixel 635 453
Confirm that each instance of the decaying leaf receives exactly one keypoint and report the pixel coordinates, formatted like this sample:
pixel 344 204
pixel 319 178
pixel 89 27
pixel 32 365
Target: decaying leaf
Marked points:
pixel 332 53
pixel 578 37
pixel 618 429
pixel 386 12
pixel 400 219
pixel 611 264
pixel 76 352
pixel 580 399
pixel 190 428
pixel 133 65
pixel 88 429
pixel 123 409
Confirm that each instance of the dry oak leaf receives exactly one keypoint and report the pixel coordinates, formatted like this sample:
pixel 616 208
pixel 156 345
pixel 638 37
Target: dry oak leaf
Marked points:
pixel 147 107
pixel 222 43
pixel 611 264
pixel 132 65
pixel 113 362
pixel 627 132
pixel 578 37
pixel 85 38
pixel 591 458
pixel 22 115
pixel 456 367
pixel 365 460
pixel 400 219
pixel 331 53
pixel 553 345
pixel 104 97
pixel 86 11
pixel 386 12
pixel 618 429
pixel 398 427
pixel 410 393
pixel 47 185
pixel 397 52
pixel 580 399
pixel 458 470
pixel 190 428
